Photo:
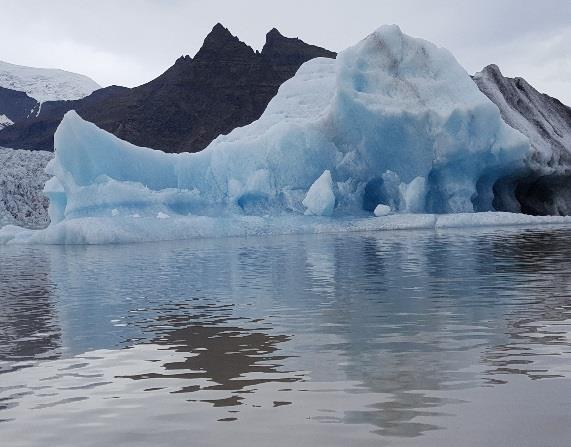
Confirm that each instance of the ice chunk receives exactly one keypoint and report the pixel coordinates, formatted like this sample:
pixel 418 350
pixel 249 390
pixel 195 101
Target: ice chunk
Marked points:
pixel 123 229
pixel 413 195
pixel 394 120
pixel 382 210
pixel 162 215
pixel 320 199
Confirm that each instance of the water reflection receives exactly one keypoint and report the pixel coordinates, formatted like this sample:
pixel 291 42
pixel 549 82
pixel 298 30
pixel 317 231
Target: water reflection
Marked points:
pixel 231 358
pixel 383 335
pixel 28 318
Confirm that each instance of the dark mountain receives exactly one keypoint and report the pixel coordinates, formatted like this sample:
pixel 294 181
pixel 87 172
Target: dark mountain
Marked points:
pixel 546 188
pixel 17 106
pixel 226 85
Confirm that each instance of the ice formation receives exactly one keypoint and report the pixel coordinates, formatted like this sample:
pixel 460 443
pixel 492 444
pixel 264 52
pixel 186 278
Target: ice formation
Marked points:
pixel 22 178
pixel 393 121
pixel 382 210
pixel 320 199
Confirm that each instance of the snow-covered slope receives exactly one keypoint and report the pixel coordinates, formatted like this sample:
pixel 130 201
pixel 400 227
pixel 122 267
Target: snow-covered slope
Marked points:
pixel 394 120
pixel 5 122
pixel 44 84
pixel 22 179
pixel 545 187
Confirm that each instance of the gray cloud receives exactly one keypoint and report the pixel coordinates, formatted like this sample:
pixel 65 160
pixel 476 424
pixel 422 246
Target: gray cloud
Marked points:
pixel 131 42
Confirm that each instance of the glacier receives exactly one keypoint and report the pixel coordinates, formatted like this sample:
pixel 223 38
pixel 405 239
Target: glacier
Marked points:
pixel 46 84
pixel 394 121
pixel 22 178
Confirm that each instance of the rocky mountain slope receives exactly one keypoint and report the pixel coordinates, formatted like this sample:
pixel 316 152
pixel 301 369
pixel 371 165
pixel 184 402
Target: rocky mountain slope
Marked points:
pixel 226 85
pixel 16 107
pixel 545 187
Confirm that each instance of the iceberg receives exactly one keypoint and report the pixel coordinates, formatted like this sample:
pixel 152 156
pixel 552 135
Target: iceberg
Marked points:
pixel 393 121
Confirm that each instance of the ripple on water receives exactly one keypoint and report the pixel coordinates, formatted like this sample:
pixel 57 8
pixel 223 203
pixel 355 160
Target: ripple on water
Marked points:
pixel 406 338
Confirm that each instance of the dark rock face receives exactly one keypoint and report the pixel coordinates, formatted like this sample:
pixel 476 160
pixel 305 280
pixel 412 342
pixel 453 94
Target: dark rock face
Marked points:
pixel 545 188
pixel 226 85
pixel 17 106
pixel 37 132
pixel 544 195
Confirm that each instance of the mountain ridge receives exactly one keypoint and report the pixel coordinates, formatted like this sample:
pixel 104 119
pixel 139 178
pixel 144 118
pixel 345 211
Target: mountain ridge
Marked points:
pixel 225 85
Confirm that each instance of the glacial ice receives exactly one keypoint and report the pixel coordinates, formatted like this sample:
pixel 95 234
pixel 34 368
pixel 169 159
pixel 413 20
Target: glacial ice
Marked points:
pixel 393 121
pixel 320 199
pixel 22 178
pixel 46 84
pixel 382 210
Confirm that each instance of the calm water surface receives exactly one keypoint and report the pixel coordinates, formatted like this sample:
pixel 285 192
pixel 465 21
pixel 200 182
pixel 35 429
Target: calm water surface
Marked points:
pixel 397 339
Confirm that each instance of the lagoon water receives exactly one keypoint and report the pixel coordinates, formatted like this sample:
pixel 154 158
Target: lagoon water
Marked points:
pixel 451 338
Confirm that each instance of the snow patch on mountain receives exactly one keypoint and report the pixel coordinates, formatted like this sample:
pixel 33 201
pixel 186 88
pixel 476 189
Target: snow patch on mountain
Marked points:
pixel 45 84
pixel 5 122
pixel 22 179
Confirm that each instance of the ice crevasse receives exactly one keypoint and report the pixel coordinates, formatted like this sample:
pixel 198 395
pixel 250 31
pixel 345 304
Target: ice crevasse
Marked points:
pixel 393 121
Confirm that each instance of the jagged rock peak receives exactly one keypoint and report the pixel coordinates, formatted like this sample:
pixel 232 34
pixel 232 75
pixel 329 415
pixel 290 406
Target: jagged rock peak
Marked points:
pixel 494 73
pixel 273 34
pixel 183 58
pixel 491 72
pixel 492 69
pixel 279 45
pixel 221 44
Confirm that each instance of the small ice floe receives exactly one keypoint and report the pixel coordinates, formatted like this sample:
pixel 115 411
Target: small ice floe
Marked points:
pixel 162 215
pixel 114 212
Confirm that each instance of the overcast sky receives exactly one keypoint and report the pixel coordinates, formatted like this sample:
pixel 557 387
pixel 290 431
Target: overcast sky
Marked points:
pixel 129 42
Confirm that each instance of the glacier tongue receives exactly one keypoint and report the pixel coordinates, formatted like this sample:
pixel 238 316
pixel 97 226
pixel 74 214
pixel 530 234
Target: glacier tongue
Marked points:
pixel 394 120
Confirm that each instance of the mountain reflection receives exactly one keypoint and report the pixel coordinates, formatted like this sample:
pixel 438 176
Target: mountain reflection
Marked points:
pixel 407 319
pixel 230 358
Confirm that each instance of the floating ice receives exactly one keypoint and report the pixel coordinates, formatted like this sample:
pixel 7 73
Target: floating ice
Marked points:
pixel 393 120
